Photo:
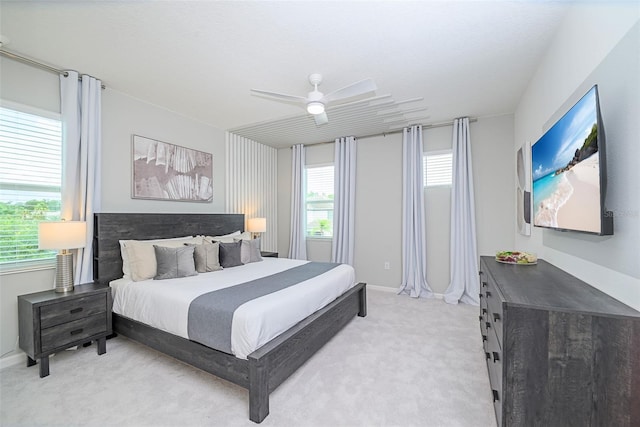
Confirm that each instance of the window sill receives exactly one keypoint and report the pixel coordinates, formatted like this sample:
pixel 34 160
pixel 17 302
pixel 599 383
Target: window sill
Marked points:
pixel 319 238
pixel 27 266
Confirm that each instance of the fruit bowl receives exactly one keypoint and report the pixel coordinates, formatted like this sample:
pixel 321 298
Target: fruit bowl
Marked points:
pixel 516 257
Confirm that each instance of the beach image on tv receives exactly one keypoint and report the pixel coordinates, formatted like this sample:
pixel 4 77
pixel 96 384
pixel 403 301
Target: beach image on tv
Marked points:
pixel 566 172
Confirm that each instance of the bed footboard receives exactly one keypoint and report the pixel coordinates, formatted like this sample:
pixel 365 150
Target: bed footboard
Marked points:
pixel 274 362
pixel 266 368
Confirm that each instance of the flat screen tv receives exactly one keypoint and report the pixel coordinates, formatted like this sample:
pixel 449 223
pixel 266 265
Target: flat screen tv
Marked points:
pixel 568 167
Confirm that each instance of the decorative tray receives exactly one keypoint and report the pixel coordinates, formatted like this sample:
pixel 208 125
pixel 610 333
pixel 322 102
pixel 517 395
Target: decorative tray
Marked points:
pixel 516 257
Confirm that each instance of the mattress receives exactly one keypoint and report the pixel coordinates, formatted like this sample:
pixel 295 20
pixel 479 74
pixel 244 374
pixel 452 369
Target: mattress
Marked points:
pixel 164 304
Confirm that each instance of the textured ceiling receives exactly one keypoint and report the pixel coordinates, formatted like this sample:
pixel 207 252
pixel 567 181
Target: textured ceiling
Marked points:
pixel 201 58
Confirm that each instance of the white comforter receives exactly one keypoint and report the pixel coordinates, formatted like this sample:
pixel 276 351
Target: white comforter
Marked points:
pixel 164 304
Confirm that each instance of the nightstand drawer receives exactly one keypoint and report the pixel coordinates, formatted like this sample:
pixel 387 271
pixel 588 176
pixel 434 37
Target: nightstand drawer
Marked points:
pixel 66 333
pixel 67 311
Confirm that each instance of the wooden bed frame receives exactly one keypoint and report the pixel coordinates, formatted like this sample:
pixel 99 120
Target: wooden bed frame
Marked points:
pixel 264 369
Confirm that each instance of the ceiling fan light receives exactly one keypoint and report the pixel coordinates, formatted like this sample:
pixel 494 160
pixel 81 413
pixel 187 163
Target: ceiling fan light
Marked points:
pixel 315 107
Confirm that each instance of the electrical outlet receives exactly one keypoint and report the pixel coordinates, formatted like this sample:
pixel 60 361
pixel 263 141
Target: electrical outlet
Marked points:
pixel 387 266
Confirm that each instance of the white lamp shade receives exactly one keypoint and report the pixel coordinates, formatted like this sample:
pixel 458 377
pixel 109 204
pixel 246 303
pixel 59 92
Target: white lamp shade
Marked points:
pixel 257 225
pixel 62 234
pixel 315 107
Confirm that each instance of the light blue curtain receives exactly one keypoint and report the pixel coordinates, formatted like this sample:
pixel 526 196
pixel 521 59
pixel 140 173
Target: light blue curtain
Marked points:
pixel 81 112
pixel 464 286
pixel 344 202
pixel 414 254
pixel 297 241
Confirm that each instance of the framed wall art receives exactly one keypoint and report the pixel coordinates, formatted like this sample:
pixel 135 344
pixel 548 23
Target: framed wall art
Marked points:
pixel 164 171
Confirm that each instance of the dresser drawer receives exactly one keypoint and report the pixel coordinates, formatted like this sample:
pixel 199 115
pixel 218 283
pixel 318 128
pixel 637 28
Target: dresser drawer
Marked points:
pixel 483 331
pixel 495 313
pixel 493 354
pixel 494 361
pixel 66 333
pixel 67 311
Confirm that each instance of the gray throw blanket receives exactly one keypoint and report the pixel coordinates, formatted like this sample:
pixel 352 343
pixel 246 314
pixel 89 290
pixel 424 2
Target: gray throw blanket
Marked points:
pixel 211 314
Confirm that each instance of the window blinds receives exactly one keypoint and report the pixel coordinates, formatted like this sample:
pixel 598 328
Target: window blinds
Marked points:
pixel 437 167
pixel 30 180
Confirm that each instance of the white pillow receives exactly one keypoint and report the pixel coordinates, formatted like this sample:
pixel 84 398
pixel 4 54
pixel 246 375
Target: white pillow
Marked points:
pixel 229 238
pixel 126 268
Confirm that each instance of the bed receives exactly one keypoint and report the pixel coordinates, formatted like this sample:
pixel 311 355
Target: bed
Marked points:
pixel 264 369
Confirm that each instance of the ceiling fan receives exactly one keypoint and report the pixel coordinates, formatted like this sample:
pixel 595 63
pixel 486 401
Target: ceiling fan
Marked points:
pixel 316 101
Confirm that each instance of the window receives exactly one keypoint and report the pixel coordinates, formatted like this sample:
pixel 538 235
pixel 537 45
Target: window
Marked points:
pixel 30 180
pixel 319 201
pixel 437 166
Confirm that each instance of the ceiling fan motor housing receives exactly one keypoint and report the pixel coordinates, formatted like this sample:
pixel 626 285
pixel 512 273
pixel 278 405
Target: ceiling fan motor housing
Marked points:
pixel 315 79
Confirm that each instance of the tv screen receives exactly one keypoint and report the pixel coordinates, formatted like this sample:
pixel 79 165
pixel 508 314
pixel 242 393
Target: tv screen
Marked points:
pixel 568 168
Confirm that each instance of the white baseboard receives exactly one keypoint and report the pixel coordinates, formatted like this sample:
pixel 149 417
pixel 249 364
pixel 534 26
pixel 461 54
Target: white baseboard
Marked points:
pixel 382 288
pixel 12 360
pixel 395 290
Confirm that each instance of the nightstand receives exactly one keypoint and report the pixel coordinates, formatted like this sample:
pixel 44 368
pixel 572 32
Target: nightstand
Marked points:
pixel 50 322
pixel 269 254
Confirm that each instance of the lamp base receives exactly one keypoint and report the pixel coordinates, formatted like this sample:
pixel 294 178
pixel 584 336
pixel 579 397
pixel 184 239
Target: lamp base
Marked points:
pixel 64 272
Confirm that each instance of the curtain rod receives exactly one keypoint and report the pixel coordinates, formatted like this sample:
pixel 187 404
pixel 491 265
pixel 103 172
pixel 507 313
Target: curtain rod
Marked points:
pixel 391 132
pixel 35 63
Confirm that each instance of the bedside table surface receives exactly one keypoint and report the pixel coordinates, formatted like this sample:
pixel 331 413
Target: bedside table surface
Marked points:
pixel 51 296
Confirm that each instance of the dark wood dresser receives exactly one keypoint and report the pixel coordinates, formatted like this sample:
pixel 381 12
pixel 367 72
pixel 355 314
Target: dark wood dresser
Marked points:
pixel 50 322
pixel 559 352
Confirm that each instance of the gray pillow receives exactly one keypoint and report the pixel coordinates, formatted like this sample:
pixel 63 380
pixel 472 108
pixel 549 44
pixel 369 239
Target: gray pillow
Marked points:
pixel 174 262
pixel 207 257
pixel 230 254
pixel 250 250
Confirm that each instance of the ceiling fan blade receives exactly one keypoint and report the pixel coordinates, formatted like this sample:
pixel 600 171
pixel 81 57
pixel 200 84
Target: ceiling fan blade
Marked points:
pixel 280 96
pixel 321 118
pixel 362 87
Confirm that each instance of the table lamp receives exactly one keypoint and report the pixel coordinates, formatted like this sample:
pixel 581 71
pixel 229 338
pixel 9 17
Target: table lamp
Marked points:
pixel 63 236
pixel 257 226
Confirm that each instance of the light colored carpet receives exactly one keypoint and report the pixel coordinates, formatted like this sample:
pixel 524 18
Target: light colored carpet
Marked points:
pixel 408 363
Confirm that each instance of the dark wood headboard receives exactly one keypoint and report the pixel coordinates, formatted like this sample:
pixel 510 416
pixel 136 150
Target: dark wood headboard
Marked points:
pixel 109 228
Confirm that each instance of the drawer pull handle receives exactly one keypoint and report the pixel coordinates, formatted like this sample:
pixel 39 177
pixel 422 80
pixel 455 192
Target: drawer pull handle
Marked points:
pixel 481 296
pixel 496 317
pixel 488 325
pixel 484 338
pixel 484 284
pixel 495 395
pixel 496 357
pixel 488 356
pixel 76 310
pixel 481 317
pixel 484 311
pixel 488 294
pixel 76 332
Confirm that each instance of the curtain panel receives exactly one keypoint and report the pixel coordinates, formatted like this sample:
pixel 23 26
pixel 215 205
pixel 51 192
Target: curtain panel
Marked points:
pixel 81 112
pixel 297 240
pixel 344 203
pixel 414 253
pixel 464 286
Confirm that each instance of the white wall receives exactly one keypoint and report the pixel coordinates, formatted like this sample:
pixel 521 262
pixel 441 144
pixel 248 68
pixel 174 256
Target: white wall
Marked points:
pixel 122 116
pixel 28 85
pixel 607 55
pixel 379 202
